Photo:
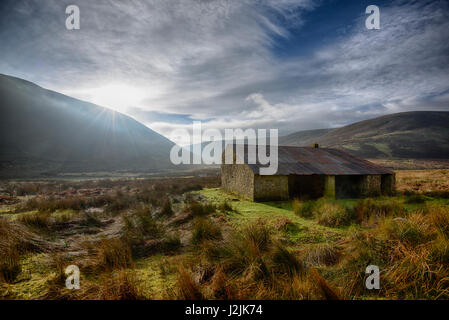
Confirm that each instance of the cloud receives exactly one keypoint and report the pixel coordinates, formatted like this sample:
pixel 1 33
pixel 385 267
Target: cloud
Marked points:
pixel 216 61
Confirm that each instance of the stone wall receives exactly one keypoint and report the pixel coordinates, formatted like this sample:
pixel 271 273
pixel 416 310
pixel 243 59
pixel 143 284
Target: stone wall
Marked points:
pixel 238 179
pixel 270 188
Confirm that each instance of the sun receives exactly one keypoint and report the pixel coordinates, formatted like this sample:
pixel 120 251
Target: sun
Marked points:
pixel 116 96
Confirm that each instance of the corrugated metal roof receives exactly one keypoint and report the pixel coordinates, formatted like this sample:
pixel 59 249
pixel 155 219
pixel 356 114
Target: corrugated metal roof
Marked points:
pixel 310 160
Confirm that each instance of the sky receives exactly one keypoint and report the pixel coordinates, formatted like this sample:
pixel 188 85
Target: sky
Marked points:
pixel 277 64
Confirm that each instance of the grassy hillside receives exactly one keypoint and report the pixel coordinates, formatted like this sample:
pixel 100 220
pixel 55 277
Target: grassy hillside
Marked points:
pixel 44 132
pixel 303 138
pixel 415 135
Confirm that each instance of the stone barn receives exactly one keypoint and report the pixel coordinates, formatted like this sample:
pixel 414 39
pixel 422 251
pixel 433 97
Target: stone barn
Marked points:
pixel 307 173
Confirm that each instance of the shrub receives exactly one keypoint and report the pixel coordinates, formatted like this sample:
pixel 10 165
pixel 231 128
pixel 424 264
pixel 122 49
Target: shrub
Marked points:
pixel 204 229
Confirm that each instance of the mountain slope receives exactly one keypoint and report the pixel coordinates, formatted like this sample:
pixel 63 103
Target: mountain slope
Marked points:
pixel 300 138
pixel 46 132
pixel 414 135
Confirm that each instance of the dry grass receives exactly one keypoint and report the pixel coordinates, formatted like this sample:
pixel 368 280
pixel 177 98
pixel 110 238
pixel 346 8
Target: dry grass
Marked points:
pixel 114 254
pixel 332 214
pixel 412 253
pixel 198 209
pixel 234 256
pixel 204 229
pixel 118 285
pixel 430 182
pixel 321 254
pixel 369 210
pixel 188 288
pixel 40 220
pixel 10 266
pixel 14 235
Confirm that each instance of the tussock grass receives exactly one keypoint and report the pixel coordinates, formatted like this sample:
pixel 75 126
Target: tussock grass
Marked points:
pixel 225 207
pixel 141 225
pixel 286 262
pixel 198 209
pixel 188 288
pixel 14 235
pixel 321 254
pixel 326 212
pixel 332 214
pixel 121 285
pixel 249 264
pixel 167 210
pixel 113 203
pixel 118 285
pixel 40 220
pixel 114 254
pixel 439 217
pixel 222 287
pixel 303 209
pixel 413 230
pixel 204 229
pixel 370 209
pixel 412 252
pixel 10 266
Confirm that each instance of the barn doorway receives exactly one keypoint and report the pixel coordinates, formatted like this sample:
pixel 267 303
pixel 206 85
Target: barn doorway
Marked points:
pixel 306 187
pixel 348 186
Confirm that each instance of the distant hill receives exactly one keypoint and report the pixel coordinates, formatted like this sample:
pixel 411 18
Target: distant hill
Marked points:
pixel 44 132
pixel 302 138
pixel 407 135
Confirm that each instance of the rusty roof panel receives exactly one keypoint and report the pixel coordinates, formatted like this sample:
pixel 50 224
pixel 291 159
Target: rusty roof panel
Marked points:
pixel 310 160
